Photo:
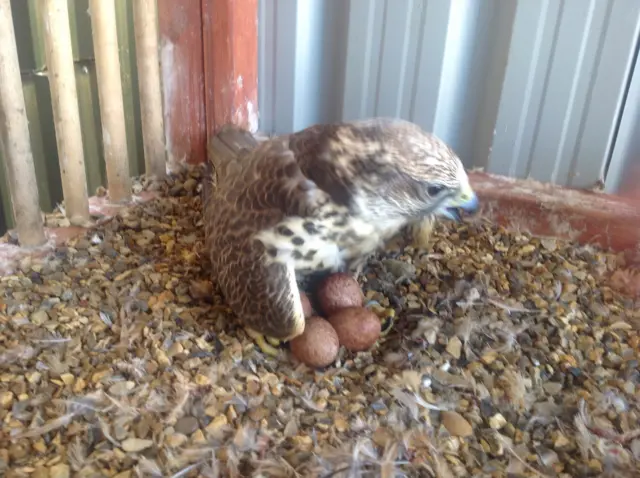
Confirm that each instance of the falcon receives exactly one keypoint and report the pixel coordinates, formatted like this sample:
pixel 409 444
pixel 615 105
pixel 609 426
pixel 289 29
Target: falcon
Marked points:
pixel 321 199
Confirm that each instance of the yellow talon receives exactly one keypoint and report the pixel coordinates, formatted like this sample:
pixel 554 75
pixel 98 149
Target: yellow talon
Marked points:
pixel 264 342
pixel 272 341
pixel 386 316
pixel 387 325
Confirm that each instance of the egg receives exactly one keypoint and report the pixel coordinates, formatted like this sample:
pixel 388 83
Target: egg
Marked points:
pixel 339 291
pixel 318 345
pixel 306 305
pixel 357 328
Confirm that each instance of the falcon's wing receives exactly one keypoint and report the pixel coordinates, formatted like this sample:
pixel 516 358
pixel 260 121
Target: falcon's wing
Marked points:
pixel 261 181
pixel 314 150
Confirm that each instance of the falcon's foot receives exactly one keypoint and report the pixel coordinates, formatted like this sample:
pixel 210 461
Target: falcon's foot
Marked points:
pixel 267 344
pixel 386 316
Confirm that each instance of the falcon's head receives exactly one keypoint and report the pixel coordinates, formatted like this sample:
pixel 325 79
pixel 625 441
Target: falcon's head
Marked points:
pixel 394 168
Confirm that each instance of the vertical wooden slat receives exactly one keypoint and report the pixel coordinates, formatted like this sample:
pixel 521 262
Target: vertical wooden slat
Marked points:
pixel 182 70
pixel 64 98
pixel 15 139
pixel 145 17
pixel 231 63
pixel 114 136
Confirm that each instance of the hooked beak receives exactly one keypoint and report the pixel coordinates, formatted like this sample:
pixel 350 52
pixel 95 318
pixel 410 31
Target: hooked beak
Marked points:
pixel 466 201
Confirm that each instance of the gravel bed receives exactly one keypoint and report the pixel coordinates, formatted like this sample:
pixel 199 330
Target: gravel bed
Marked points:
pixel 510 355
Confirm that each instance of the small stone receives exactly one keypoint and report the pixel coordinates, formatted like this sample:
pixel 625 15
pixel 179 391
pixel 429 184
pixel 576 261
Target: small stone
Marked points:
pixel 198 438
pixel 162 358
pixel 175 349
pixel 340 423
pixel 99 376
pixel 67 378
pixel 552 388
pixel 456 424
pixel 497 421
pixel 561 441
pixel 595 465
pixel 217 424
pixel 454 347
pixel 121 389
pixel 33 377
pixel 39 317
pixel 40 446
pixel 187 425
pixel 134 445
pixel 303 442
pixel 39 472
pixel 176 440
pixel 79 385
pixel 59 471
pixel 202 380
pixel 6 399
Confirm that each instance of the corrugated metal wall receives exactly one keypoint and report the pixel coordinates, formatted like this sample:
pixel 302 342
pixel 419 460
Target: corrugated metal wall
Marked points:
pixel 29 31
pixel 526 88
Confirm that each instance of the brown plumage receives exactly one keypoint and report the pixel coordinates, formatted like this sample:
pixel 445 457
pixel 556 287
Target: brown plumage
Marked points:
pixel 323 198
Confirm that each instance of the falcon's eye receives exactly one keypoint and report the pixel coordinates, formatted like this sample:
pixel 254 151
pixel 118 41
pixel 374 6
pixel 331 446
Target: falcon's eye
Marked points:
pixel 435 189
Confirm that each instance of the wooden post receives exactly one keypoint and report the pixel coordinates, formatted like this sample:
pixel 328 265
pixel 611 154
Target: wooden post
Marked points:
pixel 66 115
pixel 145 18
pixel 231 63
pixel 15 138
pixel 114 135
pixel 182 75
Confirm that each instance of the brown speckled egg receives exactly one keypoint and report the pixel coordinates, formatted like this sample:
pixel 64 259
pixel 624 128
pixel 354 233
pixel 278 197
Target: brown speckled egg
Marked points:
pixel 318 345
pixel 306 305
pixel 339 291
pixel 358 328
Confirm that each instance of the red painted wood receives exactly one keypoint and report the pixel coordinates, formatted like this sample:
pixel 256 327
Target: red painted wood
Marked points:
pixel 231 62
pixel 183 81
pixel 611 221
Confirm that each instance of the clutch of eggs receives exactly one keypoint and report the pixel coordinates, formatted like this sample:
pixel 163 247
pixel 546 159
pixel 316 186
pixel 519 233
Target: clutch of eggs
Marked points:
pixel 347 323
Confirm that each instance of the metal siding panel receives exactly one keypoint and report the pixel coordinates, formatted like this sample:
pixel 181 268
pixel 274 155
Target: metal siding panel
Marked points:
pixel 533 34
pixel 623 175
pixel 532 88
pixel 394 57
pixel 410 82
pixel 266 63
pixel 498 28
pixel 363 56
pixel 605 102
pixel 572 58
pixel 284 66
pixel 430 63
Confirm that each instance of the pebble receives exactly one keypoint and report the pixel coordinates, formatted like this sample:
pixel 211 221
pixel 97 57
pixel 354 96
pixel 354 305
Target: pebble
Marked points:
pixel 456 424
pixel 6 399
pixel 60 470
pixel 67 378
pixel 39 317
pixel 198 438
pixel 454 347
pixel 121 389
pixel 497 421
pixel 176 440
pixel 40 472
pixel 187 425
pixel 552 388
pixel 133 445
pixel 561 441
